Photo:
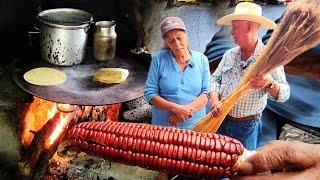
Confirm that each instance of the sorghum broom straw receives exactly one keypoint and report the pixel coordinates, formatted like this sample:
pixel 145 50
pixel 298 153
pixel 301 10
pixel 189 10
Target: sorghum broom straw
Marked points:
pixel 298 31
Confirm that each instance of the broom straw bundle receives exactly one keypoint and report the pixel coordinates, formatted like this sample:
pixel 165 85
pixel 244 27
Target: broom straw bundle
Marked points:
pixel 298 31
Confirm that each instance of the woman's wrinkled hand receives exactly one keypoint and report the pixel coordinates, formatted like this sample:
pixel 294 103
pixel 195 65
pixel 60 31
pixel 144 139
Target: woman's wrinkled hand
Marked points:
pixel 285 159
pixel 183 112
pixel 173 120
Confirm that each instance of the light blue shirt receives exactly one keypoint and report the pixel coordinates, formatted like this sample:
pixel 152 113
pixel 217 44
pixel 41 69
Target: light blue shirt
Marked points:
pixel 166 79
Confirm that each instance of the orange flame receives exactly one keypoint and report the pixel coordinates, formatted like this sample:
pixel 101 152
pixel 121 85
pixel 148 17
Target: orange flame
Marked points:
pixel 33 117
pixel 57 131
pixel 52 112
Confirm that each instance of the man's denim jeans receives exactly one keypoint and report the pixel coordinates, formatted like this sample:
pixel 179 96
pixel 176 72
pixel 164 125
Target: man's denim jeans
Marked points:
pixel 247 132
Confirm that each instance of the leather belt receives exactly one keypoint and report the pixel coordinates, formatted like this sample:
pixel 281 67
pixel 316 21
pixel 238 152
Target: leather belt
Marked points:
pixel 247 118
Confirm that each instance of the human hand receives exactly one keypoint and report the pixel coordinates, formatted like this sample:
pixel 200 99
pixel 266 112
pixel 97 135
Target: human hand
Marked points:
pixel 215 108
pixel 183 112
pixel 260 81
pixel 215 104
pixel 173 120
pixel 291 160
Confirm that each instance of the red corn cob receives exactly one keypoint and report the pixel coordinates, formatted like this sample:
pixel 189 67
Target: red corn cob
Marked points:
pixel 166 149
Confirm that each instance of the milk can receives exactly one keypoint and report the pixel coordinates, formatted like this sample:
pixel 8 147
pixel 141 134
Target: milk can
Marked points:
pixel 104 41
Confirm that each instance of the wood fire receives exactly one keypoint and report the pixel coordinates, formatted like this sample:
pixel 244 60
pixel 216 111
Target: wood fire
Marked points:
pixel 61 127
pixel 32 118
pixel 45 123
pixel 47 139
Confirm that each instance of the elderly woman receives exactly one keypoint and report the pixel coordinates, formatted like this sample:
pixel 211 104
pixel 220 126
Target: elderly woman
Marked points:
pixel 178 79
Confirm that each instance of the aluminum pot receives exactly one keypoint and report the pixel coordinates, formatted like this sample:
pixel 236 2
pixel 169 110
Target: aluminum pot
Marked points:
pixel 63 35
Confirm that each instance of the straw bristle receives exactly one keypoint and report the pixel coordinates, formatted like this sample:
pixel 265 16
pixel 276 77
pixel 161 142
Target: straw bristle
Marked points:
pixel 298 31
pixel 209 123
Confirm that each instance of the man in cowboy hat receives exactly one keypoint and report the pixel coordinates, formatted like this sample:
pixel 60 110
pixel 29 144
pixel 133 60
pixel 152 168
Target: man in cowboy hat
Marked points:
pixel 243 121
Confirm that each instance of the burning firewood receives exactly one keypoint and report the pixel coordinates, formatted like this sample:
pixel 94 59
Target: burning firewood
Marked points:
pixel 44 125
pixel 46 142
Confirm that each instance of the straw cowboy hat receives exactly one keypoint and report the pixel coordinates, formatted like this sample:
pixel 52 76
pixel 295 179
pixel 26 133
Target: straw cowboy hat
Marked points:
pixel 249 12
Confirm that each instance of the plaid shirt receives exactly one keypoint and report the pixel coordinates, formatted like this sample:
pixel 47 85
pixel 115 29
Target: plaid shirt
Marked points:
pixel 229 73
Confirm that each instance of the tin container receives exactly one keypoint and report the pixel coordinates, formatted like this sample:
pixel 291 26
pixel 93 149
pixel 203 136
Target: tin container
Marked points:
pixel 104 41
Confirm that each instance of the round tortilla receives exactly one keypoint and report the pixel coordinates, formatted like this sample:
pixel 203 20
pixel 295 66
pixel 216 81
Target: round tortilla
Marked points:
pixel 44 76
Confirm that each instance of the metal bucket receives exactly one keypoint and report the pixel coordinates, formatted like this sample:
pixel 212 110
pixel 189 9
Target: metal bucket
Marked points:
pixel 63 35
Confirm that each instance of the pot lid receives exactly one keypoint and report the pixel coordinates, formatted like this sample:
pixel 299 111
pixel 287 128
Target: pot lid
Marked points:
pixel 79 88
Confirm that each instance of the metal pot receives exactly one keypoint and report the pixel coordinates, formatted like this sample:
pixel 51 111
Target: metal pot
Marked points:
pixel 63 35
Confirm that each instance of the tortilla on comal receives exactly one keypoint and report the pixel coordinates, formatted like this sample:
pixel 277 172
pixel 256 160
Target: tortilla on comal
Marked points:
pixel 44 76
pixel 111 75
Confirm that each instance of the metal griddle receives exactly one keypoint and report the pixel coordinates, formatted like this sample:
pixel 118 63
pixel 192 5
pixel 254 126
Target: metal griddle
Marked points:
pixel 79 88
